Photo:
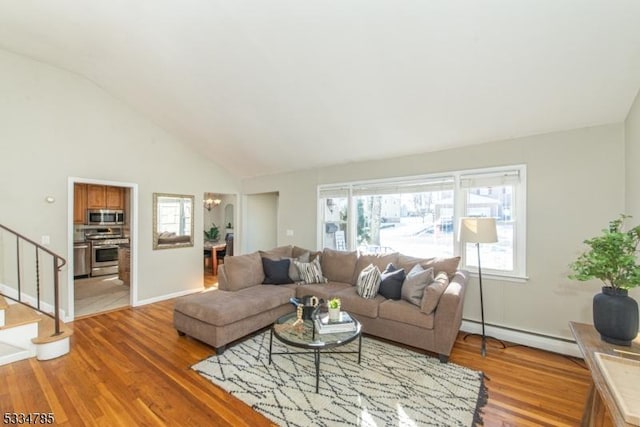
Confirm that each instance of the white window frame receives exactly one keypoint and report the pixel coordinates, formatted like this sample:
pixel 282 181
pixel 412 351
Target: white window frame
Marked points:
pixel 516 176
pixel 456 180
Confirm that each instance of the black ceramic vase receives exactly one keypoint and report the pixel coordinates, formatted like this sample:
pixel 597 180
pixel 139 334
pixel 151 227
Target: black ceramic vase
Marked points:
pixel 615 316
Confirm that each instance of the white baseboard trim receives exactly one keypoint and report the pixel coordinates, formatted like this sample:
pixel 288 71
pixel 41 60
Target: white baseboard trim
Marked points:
pixel 32 301
pixel 166 297
pixel 530 339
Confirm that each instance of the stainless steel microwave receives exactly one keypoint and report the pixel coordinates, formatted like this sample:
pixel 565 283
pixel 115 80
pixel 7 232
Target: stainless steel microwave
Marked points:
pixel 105 217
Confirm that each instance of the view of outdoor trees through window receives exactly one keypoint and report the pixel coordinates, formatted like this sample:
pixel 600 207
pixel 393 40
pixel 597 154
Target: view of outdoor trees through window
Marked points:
pixel 419 216
pixel 414 224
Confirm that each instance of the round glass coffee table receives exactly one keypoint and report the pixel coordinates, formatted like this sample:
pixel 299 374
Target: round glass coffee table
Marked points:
pixel 305 336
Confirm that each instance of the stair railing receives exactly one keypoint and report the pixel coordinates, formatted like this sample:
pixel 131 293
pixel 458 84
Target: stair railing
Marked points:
pixel 58 263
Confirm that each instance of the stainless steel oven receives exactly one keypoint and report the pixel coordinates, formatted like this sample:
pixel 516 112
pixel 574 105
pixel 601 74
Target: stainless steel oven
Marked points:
pixel 104 249
pixel 104 258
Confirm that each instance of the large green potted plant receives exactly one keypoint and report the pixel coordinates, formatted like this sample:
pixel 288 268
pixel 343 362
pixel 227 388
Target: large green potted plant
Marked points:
pixel 613 258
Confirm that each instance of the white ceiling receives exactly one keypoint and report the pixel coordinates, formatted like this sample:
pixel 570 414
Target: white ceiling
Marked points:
pixel 266 86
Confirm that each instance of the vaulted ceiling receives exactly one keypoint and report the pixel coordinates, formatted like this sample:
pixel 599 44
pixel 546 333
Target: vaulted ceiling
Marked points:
pixel 266 86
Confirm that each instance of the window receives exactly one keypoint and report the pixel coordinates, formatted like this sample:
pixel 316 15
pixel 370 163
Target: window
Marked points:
pixel 496 194
pixel 419 216
pixel 334 203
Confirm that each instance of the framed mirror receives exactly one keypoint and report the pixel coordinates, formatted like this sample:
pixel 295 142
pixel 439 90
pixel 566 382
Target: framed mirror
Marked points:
pixel 172 220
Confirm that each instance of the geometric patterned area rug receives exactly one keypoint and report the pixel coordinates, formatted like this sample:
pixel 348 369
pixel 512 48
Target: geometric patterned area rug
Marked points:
pixel 392 386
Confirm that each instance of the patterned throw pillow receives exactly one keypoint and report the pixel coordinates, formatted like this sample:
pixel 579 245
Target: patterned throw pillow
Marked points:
pixel 368 282
pixel 310 272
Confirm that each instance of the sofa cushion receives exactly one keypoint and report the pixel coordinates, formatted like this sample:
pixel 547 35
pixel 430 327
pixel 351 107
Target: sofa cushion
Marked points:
pixel 408 262
pixel 433 292
pixel 368 282
pixel 276 272
pixel 310 272
pixel 338 266
pixel 448 265
pixel 379 260
pixel 325 291
pixel 278 253
pixel 243 271
pixel 391 281
pixel 404 312
pixel 296 251
pixel 415 283
pixel 223 307
pixel 353 303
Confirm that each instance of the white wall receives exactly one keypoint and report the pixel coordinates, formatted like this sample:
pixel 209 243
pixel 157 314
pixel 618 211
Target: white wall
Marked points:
pixel 260 229
pixel 632 136
pixel 632 157
pixel 53 125
pixel 571 196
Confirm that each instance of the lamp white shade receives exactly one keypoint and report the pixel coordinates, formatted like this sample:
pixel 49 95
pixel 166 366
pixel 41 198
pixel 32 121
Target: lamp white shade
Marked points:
pixel 477 230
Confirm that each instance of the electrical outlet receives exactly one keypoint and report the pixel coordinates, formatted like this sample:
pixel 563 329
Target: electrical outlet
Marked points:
pixel 46 240
pixel 289 233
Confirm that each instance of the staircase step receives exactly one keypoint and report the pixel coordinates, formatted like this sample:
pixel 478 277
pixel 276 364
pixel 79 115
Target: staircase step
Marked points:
pixel 3 303
pixel 47 328
pixel 18 315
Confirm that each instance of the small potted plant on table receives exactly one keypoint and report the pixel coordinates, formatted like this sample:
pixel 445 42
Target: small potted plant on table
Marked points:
pixel 334 309
pixel 612 258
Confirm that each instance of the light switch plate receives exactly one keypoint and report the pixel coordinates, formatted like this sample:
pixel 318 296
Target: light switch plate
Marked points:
pixel 289 233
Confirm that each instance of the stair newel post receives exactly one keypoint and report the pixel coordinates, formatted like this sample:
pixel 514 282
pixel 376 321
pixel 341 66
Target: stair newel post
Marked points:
pixel 37 278
pixel 56 294
pixel 18 267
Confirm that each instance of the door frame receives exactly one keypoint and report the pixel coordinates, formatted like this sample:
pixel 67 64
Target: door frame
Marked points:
pixel 133 236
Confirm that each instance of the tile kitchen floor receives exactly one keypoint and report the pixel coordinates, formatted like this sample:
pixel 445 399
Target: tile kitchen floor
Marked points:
pixel 100 294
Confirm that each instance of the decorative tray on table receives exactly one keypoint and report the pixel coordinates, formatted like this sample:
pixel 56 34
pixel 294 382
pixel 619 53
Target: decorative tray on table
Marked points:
pixel 623 377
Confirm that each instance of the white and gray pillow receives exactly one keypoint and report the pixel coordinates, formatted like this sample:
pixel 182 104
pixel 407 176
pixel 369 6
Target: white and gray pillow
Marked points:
pixel 368 282
pixel 310 272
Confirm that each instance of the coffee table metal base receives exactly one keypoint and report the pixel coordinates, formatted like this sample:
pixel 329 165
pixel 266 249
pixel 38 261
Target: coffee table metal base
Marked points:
pixel 316 355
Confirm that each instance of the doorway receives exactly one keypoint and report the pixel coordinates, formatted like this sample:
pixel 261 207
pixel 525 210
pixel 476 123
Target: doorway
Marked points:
pixel 219 225
pixel 103 223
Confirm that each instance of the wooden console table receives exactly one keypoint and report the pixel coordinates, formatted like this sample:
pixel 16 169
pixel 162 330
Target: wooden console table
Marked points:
pixel 600 400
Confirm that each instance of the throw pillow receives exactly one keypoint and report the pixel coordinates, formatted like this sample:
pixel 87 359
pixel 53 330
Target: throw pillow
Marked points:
pixel 391 282
pixel 368 282
pixel 294 274
pixel 310 272
pixel 379 260
pixel 415 283
pixel 433 292
pixel 276 272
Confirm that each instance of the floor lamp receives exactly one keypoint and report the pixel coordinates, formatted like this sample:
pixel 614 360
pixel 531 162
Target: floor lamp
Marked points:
pixel 479 230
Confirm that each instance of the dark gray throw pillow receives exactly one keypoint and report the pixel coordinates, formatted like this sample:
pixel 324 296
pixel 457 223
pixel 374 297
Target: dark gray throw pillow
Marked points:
pixel 276 272
pixel 391 283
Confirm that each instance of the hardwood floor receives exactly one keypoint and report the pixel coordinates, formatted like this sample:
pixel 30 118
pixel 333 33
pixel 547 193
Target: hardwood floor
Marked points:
pixel 130 367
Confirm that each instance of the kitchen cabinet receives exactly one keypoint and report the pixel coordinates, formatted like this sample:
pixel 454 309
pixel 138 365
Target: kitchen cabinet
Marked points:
pixel 114 197
pixel 104 197
pixel 79 203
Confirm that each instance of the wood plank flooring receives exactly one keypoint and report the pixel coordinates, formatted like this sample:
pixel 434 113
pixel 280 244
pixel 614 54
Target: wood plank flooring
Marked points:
pixel 130 367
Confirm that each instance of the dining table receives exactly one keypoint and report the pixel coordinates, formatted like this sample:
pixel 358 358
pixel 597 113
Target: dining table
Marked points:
pixel 214 247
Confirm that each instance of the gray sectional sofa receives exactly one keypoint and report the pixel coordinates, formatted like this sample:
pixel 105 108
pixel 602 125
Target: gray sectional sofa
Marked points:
pixel 244 304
